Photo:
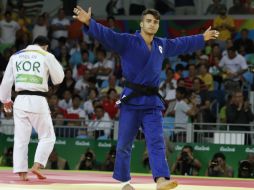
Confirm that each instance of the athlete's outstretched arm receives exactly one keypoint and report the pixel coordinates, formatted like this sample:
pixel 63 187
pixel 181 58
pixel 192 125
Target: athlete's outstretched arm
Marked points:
pixel 188 44
pixel 110 39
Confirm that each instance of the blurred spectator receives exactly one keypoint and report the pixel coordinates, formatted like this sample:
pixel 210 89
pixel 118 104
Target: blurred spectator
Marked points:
pixel 215 55
pixel 136 7
pixel 233 66
pixel 40 28
pixel 178 71
pixel 110 160
pixel 198 92
pixel 245 42
pixel 88 105
pixel 184 108
pixel 218 167
pixel 22 19
pixel 112 83
pixel 59 27
pixel 246 167
pixel 183 7
pixel 103 67
pixel 67 84
pixel 206 77
pixel 249 6
pixel 239 112
pixel 168 84
pixel 213 9
pixel 75 55
pixel 229 44
pixel 186 163
pixel 54 105
pixel 81 86
pixel 112 24
pixel 109 104
pixel 88 161
pixel 101 124
pixel 75 108
pixel 188 81
pixel 225 25
pixel 115 7
pixel 8 29
pixel 66 102
pixel 84 67
pixel 237 8
pixel 56 162
pixel 63 57
pixel 7 158
pixel 170 98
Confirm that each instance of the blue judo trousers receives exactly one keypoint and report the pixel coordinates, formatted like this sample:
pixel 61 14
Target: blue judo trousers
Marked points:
pixel 143 66
pixel 151 122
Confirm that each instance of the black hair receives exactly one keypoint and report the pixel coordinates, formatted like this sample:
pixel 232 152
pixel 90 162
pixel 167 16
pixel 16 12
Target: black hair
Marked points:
pixel 232 49
pixel 181 90
pixel 41 41
pixel 189 147
pixel 219 155
pixel 153 12
pixel 179 67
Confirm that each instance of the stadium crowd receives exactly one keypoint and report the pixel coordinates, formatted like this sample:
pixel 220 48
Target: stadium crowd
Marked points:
pixel 193 85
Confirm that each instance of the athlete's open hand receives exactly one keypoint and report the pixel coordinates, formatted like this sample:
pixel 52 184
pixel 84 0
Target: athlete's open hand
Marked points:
pixel 210 34
pixel 81 15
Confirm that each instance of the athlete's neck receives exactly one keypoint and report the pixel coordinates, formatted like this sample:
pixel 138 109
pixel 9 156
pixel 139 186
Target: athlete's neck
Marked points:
pixel 147 37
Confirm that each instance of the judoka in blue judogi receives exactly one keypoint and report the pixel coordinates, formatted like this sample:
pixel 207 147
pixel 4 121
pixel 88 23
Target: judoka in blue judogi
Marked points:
pixel 142 55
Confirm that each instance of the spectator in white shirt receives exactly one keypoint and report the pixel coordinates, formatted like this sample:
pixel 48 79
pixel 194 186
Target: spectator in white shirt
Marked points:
pixel 88 105
pixel 168 84
pixel 66 102
pixel 102 123
pixel 75 108
pixel 233 65
pixel 82 85
pixel 8 29
pixel 59 27
pixel 40 28
pixel 183 109
pixel 103 67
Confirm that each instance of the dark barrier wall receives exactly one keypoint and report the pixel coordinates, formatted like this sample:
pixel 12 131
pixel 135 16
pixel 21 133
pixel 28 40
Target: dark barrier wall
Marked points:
pixel 72 149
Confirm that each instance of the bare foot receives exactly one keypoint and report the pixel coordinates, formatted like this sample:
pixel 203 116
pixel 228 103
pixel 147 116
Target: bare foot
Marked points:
pixel 128 187
pixel 23 176
pixel 36 171
pixel 166 184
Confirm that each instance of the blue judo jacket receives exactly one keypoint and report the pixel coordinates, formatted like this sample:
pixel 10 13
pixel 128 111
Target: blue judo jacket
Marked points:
pixel 139 64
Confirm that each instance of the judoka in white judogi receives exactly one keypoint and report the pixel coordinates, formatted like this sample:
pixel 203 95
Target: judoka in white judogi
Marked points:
pixel 29 70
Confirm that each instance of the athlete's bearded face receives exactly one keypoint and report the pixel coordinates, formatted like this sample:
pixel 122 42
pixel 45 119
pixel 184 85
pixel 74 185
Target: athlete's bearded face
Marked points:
pixel 149 24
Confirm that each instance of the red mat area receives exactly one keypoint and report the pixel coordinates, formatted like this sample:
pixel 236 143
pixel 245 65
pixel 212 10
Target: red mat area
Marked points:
pixel 7 177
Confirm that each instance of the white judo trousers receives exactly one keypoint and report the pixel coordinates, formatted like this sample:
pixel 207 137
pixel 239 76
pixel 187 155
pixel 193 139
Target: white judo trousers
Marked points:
pixel 42 123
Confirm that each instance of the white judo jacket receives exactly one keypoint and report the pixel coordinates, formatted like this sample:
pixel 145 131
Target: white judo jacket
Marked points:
pixel 29 69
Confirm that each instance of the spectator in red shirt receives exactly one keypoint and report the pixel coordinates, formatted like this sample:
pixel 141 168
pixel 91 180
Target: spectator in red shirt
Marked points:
pixel 109 104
